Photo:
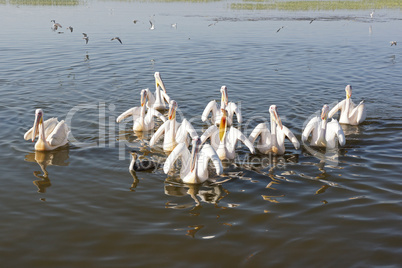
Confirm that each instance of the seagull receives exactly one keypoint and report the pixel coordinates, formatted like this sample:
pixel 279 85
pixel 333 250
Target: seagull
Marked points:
pixel 152 25
pixel 174 25
pixel 212 24
pixel 86 38
pixel 393 43
pixel 280 28
pixel 312 21
pixel 55 25
pixel 135 21
pixel 116 38
pixel 70 28
pixel 372 14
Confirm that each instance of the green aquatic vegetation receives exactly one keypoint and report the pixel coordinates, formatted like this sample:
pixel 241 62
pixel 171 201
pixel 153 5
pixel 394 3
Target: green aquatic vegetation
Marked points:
pixel 316 5
pixel 42 2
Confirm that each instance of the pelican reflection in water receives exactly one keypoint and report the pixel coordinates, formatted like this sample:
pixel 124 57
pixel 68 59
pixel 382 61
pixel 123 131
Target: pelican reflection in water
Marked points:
pixel 45 159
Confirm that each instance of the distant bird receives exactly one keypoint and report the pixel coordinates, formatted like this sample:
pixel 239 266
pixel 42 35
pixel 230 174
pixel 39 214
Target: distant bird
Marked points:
pixel 141 164
pixel 60 32
pixel 86 38
pixel 152 25
pixel 393 43
pixel 55 25
pixel 135 21
pixel 312 21
pixel 174 25
pixel 70 28
pixel 280 29
pixel 116 38
pixel 212 24
pixel 372 14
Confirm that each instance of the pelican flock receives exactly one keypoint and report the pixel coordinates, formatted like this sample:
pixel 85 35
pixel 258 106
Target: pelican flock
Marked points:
pixel 222 135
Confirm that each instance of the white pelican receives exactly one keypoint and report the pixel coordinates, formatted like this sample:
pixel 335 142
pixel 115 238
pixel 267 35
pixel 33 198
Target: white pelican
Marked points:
pixel 51 133
pixel 350 113
pixel 194 167
pixel 223 141
pixel 160 98
pixel 324 132
pixel 143 118
pixel 174 132
pixel 273 141
pixel 231 109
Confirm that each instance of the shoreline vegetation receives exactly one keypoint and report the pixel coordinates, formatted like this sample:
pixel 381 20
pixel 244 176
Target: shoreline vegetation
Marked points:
pixel 243 4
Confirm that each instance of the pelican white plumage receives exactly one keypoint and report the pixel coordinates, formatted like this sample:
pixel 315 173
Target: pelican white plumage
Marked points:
pixel 223 141
pixel 230 107
pixel 51 133
pixel 351 113
pixel 174 132
pixel 194 167
pixel 273 141
pixel 143 118
pixel 160 98
pixel 324 133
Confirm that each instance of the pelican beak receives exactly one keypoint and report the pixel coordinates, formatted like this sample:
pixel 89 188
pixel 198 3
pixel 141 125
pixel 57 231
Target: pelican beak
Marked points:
pixel 194 153
pixel 276 117
pixel 159 82
pixel 324 112
pixel 223 125
pixel 143 97
pixel 172 110
pixel 348 90
pixel 224 91
pixel 37 122
pixel 134 155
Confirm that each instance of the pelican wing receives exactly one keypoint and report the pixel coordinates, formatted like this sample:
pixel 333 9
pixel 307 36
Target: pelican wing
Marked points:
pixel 336 108
pixel 309 128
pixel 209 152
pixel 234 135
pixel 179 151
pixel 334 129
pixel 184 129
pixel 233 109
pixel 158 134
pixel 49 125
pixel 153 112
pixel 213 133
pixel 135 112
pixel 59 135
pixel 257 131
pixel 290 136
pixel 211 107
pixel 165 96
pixel 358 113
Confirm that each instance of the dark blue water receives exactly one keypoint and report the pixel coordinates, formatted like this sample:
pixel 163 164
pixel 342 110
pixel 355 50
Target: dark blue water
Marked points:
pixel 80 205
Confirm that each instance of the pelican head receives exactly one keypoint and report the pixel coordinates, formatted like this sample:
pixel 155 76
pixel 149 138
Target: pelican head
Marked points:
pixel 274 114
pixel 324 112
pixel 224 98
pixel 37 122
pixel 223 125
pixel 348 90
pixel 172 109
pixel 194 152
pixel 159 82
pixel 144 96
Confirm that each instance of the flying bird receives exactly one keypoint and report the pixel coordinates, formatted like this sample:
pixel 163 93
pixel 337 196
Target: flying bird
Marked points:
pixel 393 43
pixel 152 25
pixel 55 25
pixel 135 21
pixel 116 38
pixel 312 21
pixel 51 133
pixel 86 38
pixel 351 113
pixel 280 29
pixel 70 28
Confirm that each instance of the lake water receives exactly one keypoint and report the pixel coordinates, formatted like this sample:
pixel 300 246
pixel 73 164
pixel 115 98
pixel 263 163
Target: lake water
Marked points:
pixel 80 206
